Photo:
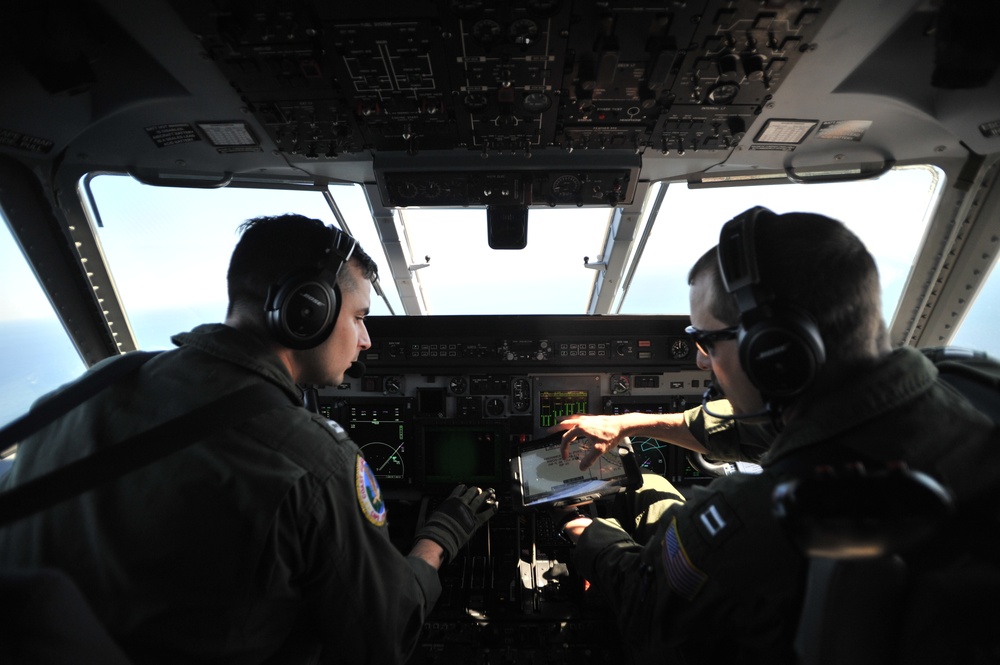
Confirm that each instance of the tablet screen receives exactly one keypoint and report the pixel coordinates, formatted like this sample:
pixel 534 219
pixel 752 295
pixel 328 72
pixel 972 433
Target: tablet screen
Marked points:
pixel 545 476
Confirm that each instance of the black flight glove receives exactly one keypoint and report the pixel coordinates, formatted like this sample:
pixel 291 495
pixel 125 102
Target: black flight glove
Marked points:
pixel 458 517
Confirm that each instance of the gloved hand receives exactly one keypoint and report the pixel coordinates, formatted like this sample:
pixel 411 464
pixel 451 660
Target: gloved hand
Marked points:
pixel 458 517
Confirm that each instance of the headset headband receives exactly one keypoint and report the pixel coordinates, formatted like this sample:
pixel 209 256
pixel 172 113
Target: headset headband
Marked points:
pixel 780 347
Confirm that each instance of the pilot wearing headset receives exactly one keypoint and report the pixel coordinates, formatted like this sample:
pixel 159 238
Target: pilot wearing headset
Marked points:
pixel 786 314
pixel 266 541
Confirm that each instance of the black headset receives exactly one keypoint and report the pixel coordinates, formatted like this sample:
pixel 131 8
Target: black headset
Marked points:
pixel 779 344
pixel 302 307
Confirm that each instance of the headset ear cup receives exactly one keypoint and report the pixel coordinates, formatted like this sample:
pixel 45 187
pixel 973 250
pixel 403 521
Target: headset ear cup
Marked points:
pixel 302 310
pixel 782 353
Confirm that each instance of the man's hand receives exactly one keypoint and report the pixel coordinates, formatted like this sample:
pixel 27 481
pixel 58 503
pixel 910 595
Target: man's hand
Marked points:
pixel 455 520
pixel 604 432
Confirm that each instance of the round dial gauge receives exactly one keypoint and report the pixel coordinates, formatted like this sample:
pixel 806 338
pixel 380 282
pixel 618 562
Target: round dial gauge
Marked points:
pixel 537 102
pixel 523 31
pixel 486 31
pixel 458 385
pixel 565 187
pixel 724 93
pixel 407 190
pixel 386 461
pixel 620 384
pixel 475 101
pixel 680 349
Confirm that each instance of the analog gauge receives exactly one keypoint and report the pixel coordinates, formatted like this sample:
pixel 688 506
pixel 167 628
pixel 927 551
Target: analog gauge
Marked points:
pixel 475 101
pixel 565 187
pixel 486 31
pixel 520 392
pixel 458 385
pixel 386 461
pixel 392 385
pixel 494 406
pixel 407 190
pixel 724 93
pixel 523 31
pixel 620 384
pixel 649 455
pixel 537 102
pixel 432 190
pixel 679 349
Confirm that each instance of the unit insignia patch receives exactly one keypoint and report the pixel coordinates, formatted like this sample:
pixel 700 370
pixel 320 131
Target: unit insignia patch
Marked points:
pixel 369 493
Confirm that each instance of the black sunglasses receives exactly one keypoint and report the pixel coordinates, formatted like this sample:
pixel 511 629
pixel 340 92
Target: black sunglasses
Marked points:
pixel 705 339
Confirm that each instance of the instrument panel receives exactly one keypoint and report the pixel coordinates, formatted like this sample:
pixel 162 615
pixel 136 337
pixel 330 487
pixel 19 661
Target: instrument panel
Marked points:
pixel 446 400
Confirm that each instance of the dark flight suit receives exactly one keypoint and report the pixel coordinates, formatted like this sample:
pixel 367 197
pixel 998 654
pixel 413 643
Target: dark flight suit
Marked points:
pixel 266 543
pixel 718 579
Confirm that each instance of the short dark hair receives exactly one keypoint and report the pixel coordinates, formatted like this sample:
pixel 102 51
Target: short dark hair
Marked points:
pixel 817 264
pixel 273 247
pixel 724 307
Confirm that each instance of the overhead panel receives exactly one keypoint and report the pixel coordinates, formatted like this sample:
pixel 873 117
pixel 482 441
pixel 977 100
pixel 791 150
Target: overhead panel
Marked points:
pixel 514 80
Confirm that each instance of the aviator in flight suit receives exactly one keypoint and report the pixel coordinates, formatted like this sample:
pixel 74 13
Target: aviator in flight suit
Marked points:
pixel 718 578
pixel 265 543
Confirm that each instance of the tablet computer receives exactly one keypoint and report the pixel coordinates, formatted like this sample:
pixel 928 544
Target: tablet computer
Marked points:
pixel 541 476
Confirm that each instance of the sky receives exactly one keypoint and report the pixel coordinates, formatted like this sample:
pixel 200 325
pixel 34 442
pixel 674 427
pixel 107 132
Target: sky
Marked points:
pixel 169 250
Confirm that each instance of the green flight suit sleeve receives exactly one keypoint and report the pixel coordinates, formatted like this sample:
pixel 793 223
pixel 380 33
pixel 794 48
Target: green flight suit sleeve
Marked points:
pixel 726 439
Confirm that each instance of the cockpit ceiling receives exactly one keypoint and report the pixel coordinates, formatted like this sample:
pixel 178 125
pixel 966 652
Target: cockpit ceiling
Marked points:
pixel 622 91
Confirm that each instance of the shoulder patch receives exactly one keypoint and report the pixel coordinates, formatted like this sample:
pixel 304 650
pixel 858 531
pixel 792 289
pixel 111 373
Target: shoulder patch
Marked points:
pixel 369 493
pixel 683 576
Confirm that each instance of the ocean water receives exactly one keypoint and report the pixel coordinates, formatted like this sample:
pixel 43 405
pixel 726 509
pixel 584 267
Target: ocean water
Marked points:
pixel 37 356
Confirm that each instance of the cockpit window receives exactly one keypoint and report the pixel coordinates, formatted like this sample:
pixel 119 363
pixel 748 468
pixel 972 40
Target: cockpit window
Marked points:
pixel 463 275
pixel 979 329
pixel 30 331
pixel 168 248
pixel 889 214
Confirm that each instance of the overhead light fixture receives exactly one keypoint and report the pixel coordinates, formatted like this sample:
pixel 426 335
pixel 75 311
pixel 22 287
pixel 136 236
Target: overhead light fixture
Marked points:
pixel 728 179
pixel 785 132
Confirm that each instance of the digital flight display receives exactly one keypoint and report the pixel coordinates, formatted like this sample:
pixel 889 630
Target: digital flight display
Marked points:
pixel 653 455
pixel 380 429
pixel 464 453
pixel 554 405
